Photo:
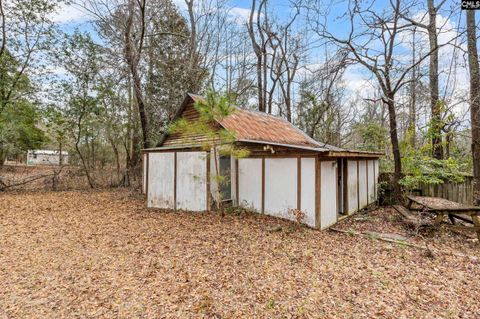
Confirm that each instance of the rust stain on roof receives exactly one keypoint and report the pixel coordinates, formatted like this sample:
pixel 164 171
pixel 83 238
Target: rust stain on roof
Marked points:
pixel 259 126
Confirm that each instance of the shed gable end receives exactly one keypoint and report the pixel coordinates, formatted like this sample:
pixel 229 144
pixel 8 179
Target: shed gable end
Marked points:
pixel 177 139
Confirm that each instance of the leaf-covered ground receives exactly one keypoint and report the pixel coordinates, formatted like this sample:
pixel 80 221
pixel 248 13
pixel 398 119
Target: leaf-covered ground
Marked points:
pixel 102 254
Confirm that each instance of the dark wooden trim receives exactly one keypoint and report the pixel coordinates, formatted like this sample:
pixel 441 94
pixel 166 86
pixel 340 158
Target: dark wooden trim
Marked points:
pixel 318 191
pixel 147 164
pixel 374 181
pixel 337 197
pixel 280 155
pixel 172 150
pixel 208 160
pixel 174 180
pixel 263 185
pixel 299 183
pixel 345 186
pixel 358 186
pixel 237 176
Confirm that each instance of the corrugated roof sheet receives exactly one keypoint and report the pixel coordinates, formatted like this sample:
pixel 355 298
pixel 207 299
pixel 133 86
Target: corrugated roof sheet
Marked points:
pixel 263 127
pixel 260 127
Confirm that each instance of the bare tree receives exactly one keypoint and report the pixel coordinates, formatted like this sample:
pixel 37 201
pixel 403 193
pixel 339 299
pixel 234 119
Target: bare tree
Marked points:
pixel 256 31
pixel 375 47
pixel 431 28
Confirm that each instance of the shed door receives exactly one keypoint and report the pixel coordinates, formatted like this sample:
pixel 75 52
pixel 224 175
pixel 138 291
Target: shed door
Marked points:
pixel 328 200
pixel 161 180
pixel 192 181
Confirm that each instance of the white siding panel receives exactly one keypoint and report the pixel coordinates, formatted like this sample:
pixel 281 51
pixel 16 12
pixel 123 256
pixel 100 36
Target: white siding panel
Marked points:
pixel 144 175
pixel 362 182
pixel 352 187
pixel 328 207
pixel 233 177
pixel 161 180
pixel 250 183
pixel 280 186
pixel 191 181
pixel 371 181
pixel 307 201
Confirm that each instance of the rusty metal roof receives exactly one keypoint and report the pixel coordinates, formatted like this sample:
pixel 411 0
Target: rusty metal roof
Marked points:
pixel 249 125
pixel 259 127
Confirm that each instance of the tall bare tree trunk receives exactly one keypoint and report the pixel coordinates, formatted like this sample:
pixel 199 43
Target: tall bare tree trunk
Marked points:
pixel 394 140
pixel 474 101
pixel 413 98
pixel 437 149
pixel 132 56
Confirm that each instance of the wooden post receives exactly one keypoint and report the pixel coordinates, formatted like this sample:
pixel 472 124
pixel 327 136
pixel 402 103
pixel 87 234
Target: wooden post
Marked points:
pixel 318 191
pixel 208 160
pixel 366 174
pixel 358 187
pixel 175 181
pixel 345 186
pixel 263 185
pixel 147 164
pixel 299 183
pixel 236 182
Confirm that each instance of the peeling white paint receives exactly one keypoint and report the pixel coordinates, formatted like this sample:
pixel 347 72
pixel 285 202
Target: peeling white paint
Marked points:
pixel 233 177
pixel 328 202
pixel 371 181
pixel 307 189
pixel 161 180
pixel 192 181
pixel 250 183
pixel 280 186
pixel 362 183
pixel 352 186
pixel 144 174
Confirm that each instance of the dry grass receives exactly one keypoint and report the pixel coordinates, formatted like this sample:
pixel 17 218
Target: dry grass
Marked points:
pixel 85 254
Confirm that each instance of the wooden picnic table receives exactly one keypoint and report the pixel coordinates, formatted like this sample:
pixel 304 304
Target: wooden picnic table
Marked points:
pixel 444 207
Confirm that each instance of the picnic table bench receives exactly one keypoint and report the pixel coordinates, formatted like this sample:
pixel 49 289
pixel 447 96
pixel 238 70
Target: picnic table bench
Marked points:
pixel 443 207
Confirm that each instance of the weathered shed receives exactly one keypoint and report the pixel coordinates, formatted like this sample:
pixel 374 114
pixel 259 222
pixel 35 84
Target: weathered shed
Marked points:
pixel 285 171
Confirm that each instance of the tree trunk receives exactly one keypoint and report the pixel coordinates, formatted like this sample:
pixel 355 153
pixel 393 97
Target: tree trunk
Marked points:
pixel 474 101
pixel 394 140
pixel 413 99
pixel 132 58
pixel 437 150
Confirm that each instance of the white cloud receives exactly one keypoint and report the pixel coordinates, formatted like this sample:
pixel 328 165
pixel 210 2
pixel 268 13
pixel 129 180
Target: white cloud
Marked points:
pixel 69 13
pixel 241 15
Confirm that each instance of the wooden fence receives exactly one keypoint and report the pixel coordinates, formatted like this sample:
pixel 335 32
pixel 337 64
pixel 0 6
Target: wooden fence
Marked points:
pixel 457 192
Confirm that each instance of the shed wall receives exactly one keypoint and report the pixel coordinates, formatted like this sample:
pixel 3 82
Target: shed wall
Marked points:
pixel 362 183
pixel 371 181
pixel 192 181
pixel 250 183
pixel 307 189
pixel 328 198
pixel 352 191
pixel 161 180
pixel 280 186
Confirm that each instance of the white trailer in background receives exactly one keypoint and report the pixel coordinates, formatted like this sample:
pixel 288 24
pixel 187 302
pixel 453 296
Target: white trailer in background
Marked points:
pixel 47 157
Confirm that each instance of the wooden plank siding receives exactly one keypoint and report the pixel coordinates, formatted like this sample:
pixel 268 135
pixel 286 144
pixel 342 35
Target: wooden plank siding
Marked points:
pixel 176 139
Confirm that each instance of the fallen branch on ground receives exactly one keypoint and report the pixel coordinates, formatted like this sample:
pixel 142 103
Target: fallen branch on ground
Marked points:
pixel 399 242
